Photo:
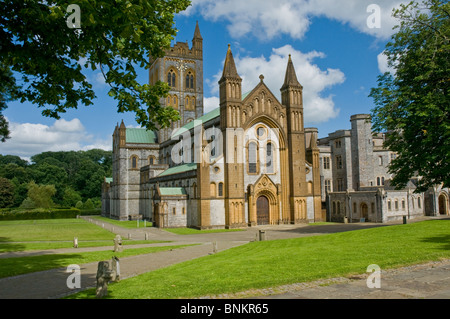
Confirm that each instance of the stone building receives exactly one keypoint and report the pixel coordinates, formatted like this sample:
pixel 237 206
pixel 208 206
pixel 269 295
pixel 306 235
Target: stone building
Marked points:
pixel 355 181
pixel 248 162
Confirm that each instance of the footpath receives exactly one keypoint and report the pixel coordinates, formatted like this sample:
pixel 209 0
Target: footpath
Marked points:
pixel 431 280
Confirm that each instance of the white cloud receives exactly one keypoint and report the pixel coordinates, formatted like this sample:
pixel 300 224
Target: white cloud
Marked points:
pixel 210 103
pixel 383 65
pixel 28 139
pixel 267 18
pixel 318 108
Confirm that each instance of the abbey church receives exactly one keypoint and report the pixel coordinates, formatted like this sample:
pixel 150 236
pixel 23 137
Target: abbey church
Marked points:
pixel 249 162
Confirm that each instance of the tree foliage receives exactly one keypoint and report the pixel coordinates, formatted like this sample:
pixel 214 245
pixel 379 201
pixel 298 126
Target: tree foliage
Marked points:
pixel 43 56
pixel 413 104
pixel 75 175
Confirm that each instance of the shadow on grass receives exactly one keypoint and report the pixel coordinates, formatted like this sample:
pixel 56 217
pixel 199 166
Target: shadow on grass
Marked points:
pixel 24 265
pixel 6 245
pixel 443 240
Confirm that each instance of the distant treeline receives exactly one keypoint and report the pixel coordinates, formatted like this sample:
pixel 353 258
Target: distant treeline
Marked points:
pixel 51 179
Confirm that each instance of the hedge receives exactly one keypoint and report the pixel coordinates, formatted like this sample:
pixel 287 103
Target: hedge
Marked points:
pixel 40 214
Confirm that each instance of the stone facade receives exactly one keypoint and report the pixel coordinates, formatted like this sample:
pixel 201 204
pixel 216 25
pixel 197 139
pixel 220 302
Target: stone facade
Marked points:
pixel 355 179
pixel 250 161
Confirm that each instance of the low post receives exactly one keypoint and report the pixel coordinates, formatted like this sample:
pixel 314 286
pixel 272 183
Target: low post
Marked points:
pixel 118 244
pixel 75 242
pixel 103 278
pixel 262 235
pixel 214 247
pixel 146 236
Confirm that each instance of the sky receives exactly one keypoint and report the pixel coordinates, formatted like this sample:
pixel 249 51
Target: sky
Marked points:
pixel 336 47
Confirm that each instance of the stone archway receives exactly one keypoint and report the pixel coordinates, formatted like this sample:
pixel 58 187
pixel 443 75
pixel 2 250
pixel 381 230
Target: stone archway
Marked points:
pixel 443 204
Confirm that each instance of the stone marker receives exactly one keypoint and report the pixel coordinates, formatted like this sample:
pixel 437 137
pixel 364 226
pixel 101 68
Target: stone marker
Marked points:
pixel 103 277
pixel 214 247
pixel 75 242
pixel 118 247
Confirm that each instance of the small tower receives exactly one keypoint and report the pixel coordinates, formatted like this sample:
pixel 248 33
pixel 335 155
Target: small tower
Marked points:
pixel 292 99
pixel 230 119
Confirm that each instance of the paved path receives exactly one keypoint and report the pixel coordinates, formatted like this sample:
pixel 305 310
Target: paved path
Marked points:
pixel 52 283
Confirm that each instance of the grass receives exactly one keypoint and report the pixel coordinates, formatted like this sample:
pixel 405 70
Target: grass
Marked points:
pixel 192 231
pixel 51 230
pixel 22 265
pixel 22 235
pixel 280 262
pixel 123 223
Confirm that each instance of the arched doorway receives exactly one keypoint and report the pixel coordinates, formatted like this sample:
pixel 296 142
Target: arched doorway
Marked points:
pixel 262 211
pixel 443 208
pixel 364 211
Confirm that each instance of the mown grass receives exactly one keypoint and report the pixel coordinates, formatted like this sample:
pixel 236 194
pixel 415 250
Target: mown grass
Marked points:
pixel 124 223
pixel 23 235
pixel 51 230
pixel 279 262
pixel 192 231
pixel 22 265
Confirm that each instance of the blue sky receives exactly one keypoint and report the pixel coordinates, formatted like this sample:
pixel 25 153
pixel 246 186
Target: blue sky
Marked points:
pixel 336 54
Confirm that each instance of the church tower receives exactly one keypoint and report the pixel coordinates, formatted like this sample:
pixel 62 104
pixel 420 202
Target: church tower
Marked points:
pixel 230 93
pixel 292 99
pixel 182 69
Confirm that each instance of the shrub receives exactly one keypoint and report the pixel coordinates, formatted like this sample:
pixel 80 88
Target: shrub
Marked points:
pixel 40 213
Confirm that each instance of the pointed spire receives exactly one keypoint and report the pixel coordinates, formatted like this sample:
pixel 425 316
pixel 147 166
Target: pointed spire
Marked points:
pixel 290 78
pixel 197 34
pixel 229 68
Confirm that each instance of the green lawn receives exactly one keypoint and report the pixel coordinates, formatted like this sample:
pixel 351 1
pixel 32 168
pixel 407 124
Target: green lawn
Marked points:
pixel 22 235
pixel 51 230
pixel 192 231
pixel 123 223
pixel 22 265
pixel 279 262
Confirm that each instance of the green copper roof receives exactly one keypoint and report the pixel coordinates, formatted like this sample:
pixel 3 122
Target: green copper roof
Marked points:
pixel 140 135
pixel 245 95
pixel 172 191
pixel 179 169
pixel 201 120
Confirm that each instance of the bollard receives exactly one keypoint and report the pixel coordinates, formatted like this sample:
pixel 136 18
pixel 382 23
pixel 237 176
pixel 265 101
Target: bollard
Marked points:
pixel 75 242
pixel 129 236
pixel 262 235
pixel 146 236
pixel 214 247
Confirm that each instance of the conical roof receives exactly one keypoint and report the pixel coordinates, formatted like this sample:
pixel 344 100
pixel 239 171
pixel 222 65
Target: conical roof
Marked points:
pixel 229 68
pixel 290 78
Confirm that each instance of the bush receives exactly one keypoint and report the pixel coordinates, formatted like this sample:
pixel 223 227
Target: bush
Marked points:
pixel 40 213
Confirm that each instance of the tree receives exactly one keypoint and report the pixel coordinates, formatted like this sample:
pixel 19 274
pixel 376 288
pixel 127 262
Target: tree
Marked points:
pixel 413 104
pixel 70 197
pixel 6 193
pixel 41 195
pixel 49 52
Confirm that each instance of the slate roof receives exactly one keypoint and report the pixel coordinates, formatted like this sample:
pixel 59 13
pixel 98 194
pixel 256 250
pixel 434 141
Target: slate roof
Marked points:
pixel 140 136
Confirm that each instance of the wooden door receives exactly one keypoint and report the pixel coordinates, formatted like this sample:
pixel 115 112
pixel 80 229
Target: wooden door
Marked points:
pixel 262 210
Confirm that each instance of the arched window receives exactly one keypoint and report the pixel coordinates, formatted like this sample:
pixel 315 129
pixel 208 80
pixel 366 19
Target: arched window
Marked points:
pixel 252 157
pixel 189 80
pixel 269 159
pixel 151 160
pixel 171 78
pixel 194 186
pixel 419 202
pixel 221 189
pixel 134 162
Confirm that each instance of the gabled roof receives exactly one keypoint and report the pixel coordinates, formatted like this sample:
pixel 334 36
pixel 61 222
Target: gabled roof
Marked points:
pixel 179 169
pixel 199 121
pixel 140 136
pixel 172 191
